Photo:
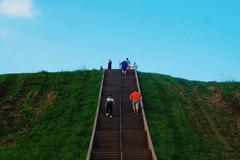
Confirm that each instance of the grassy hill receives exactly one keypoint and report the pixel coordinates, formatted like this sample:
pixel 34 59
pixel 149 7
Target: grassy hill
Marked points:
pixel 50 116
pixel 47 115
pixel 192 120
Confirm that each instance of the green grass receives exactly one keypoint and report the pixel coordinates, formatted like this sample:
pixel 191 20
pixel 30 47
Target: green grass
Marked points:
pixel 47 115
pixel 50 116
pixel 191 120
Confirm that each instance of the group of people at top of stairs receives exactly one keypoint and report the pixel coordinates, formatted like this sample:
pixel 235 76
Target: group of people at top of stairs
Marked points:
pixel 135 96
pixel 124 65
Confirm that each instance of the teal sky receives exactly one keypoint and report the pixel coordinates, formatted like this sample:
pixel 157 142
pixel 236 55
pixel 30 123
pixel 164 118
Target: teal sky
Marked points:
pixel 197 40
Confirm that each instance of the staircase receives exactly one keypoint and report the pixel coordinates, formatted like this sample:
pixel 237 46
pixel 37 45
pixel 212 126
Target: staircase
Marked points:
pixel 124 136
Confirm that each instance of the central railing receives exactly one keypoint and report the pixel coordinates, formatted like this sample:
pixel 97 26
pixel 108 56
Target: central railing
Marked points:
pixel 120 112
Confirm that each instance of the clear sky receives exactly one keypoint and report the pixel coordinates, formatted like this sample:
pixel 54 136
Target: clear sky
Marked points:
pixel 197 40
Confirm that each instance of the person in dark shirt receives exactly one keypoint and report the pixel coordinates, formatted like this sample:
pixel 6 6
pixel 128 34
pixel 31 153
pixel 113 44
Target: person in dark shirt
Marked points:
pixel 128 62
pixel 124 66
pixel 110 64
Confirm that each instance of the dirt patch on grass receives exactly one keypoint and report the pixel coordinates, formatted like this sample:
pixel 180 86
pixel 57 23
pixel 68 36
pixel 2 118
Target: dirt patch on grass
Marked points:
pixel 43 102
pixel 16 113
pixel 7 142
pixel 24 129
pixel 236 100
pixel 218 100
pixel 51 97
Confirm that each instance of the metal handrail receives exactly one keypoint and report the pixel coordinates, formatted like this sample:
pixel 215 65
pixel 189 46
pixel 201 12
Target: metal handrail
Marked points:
pixel 150 144
pixel 120 110
pixel 96 117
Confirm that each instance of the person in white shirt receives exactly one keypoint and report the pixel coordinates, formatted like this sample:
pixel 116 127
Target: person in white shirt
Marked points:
pixel 135 66
pixel 109 105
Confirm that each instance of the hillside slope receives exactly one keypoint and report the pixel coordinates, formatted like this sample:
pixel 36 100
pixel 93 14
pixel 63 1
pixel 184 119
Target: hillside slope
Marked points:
pixel 50 116
pixel 192 120
pixel 47 115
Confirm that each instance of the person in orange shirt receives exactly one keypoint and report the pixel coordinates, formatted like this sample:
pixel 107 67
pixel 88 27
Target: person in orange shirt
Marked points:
pixel 135 97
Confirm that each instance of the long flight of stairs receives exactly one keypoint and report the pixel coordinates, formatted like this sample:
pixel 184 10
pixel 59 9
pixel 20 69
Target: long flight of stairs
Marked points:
pixel 123 136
